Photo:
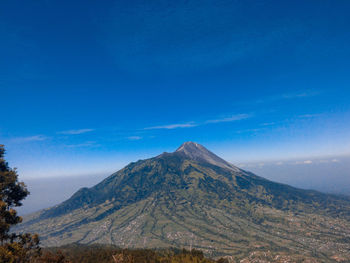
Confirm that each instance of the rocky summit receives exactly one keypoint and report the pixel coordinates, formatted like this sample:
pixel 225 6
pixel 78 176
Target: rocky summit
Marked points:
pixel 192 198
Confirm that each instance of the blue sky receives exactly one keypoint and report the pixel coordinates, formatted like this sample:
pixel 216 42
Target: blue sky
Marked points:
pixel 88 86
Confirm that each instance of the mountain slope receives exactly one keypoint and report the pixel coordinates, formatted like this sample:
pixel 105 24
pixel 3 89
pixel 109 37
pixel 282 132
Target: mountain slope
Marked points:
pixel 193 198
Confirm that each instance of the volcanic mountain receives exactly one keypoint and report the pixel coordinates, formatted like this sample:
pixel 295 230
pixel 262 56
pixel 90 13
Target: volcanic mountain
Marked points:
pixel 194 199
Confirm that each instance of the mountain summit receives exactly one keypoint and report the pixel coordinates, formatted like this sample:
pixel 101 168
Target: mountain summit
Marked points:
pixel 199 153
pixel 192 147
pixel 192 198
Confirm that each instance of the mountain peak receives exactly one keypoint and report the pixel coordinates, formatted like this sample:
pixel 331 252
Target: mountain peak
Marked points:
pixel 197 152
pixel 190 146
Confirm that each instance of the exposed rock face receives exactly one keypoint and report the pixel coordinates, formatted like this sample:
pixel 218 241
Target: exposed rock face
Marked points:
pixel 197 152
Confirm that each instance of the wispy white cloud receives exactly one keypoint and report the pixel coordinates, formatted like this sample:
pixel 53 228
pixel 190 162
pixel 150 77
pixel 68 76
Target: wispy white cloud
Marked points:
pixel 172 126
pixel 34 138
pixel 286 163
pixel 85 144
pixel 236 117
pixel 134 138
pixel 74 132
pixel 268 123
pixel 191 124
pixel 303 94
pixel 303 162
pixel 317 161
pixel 250 130
pixel 309 115
pixel 289 96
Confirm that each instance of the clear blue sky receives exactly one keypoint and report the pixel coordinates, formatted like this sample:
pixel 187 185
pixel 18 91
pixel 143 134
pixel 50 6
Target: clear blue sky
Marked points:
pixel 87 86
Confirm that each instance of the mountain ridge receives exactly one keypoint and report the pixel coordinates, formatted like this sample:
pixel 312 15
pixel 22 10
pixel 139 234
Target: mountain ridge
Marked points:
pixel 192 197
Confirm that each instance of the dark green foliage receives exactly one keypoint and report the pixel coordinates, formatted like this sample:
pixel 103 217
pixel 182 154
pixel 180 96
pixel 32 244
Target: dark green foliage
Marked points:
pixel 104 254
pixel 13 247
pixel 51 257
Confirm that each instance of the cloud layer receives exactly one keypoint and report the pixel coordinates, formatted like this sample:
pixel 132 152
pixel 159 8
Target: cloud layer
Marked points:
pixel 34 138
pixel 191 124
pixel 75 132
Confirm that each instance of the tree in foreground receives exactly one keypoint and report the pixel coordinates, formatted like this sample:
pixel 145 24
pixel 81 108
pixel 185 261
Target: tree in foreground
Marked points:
pixel 14 248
